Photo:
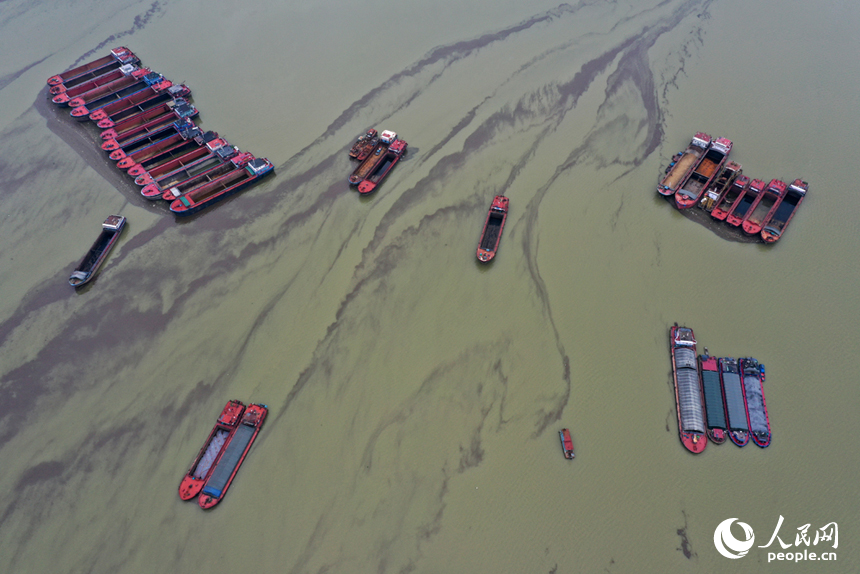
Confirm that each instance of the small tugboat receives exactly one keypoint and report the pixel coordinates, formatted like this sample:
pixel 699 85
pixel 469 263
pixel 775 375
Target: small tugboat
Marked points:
pixel 137 104
pixel 768 203
pixel 491 235
pixel 186 160
pixel 117 57
pixel 774 229
pixel 364 145
pixel 209 193
pixel 735 399
pixel 162 123
pixel 688 391
pixel 691 190
pixel 202 467
pixel 745 203
pixel 395 152
pixel 373 160
pixel 566 443
pixel 194 138
pixel 177 109
pixel 721 186
pixel 725 205
pixel 715 410
pixel 89 265
pixel 684 166
pixel 234 455
pixel 759 421
pixel 178 189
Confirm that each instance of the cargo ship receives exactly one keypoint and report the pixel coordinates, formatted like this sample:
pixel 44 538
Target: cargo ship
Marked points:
pixel 188 159
pixel 688 391
pixel 692 190
pixel 491 234
pixel 684 166
pixel 715 410
pixel 566 444
pixel 176 109
pixel 234 454
pixel 194 138
pixel 392 155
pixel 735 399
pixel 176 143
pixel 794 195
pixel 373 160
pixel 364 145
pixel 214 191
pixel 178 181
pixel 746 202
pixel 203 465
pixel 132 136
pixel 759 216
pixel 717 190
pixel 89 265
pixel 118 57
pixel 725 205
pixel 137 104
pixel 145 84
pixel 129 75
pixel 84 87
pixel 212 174
pixel 759 421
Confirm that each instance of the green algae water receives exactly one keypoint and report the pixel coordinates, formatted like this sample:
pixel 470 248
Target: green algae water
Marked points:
pixel 415 395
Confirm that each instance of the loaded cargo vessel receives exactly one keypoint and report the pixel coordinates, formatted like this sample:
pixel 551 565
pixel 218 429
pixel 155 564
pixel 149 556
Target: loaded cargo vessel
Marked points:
pixel 112 114
pixel 566 443
pixel 194 138
pixel 725 205
pixel 688 391
pixel 234 454
pixel 373 160
pixel 201 177
pixel 162 123
pixel 89 265
pixel 491 235
pixel 735 399
pixel 745 203
pixel 715 410
pixel 214 191
pixel 684 166
pixel 203 465
pixel 767 205
pixel 84 87
pixel 717 190
pixel 169 146
pixel 759 421
pixel 794 195
pixel 364 145
pixel 692 190
pixel 129 75
pixel 151 82
pixel 177 182
pixel 118 57
pixel 392 155
pixel 204 153
pixel 177 110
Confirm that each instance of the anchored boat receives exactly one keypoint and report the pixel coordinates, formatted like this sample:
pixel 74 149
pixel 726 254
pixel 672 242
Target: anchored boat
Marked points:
pixel 89 265
pixel 691 190
pixel 684 166
pixel 364 146
pixel 203 465
pixel 145 121
pixel 174 184
pixel 84 87
pixel 198 154
pixel 725 205
pixel 111 115
pixel 395 152
pixel 209 193
pixel 688 391
pixel 194 138
pixel 234 455
pixel 735 399
pixel 717 190
pixel 745 203
pixel 759 421
pixel 715 410
pixel 117 57
pixel 794 195
pixel 373 160
pixel 491 235
pixel 163 123
pixel 566 443
pixel 767 205
pixel 199 178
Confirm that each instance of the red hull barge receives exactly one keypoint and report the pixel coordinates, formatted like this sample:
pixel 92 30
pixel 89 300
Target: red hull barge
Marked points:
pixel 129 75
pixel 203 465
pixel 364 146
pixel 231 460
pixel 491 235
pixel 721 186
pixel 745 203
pixel 194 138
pixel 794 195
pixel 566 443
pixel 735 400
pixel 369 165
pixel 117 57
pixel 214 191
pixel 137 104
pixel 82 112
pixel 693 189
pixel 189 184
pixel 179 180
pixel 188 159
pixel 89 265
pixel 757 417
pixel 395 153
pixel 712 391
pixel 678 172
pixel 725 205
pixel 132 136
pixel 84 87
pixel 769 201
pixel 688 390
pixel 177 138
pixel 157 141
pixel 132 124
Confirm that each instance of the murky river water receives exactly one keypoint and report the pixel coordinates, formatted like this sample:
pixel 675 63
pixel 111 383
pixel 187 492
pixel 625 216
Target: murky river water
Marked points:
pixel 415 395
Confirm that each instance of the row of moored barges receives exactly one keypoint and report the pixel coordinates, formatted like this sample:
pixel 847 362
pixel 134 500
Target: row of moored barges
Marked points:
pixel 702 176
pixel 148 129
pixel 717 397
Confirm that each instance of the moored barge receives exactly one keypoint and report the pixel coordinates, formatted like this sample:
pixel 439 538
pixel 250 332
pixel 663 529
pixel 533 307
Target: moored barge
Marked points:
pixel 146 84
pixel 194 138
pixel 118 57
pixel 201 177
pixel 688 393
pixel 725 205
pixel 794 195
pixel 759 421
pixel 691 190
pixel 231 460
pixel 715 410
pixel 491 234
pixel 717 190
pixel 392 155
pixel 735 399
pixel 89 265
pixel 169 167
pixel 162 123
pixel 374 159
pixel 172 185
pixel 746 202
pixel 566 444
pixel 177 109
pixel 759 216
pixel 214 191
pixel 112 114
pixel 684 166
pixel 364 145
pixel 203 465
